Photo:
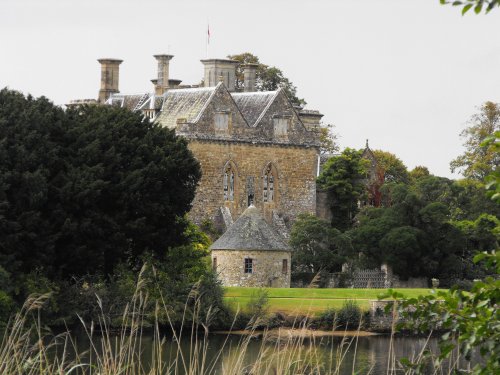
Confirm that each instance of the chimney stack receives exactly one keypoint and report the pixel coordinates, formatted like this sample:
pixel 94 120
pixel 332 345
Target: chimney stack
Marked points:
pixel 249 74
pixel 110 75
pixel 163 73
pixel 216 68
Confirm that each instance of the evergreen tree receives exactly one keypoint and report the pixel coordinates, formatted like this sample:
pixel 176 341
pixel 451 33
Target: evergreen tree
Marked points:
pixel 82 190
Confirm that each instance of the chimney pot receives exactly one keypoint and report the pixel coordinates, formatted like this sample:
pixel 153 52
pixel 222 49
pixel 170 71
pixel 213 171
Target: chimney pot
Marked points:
pixel 163 73
pixel 249 76
pixel 215 68
pixel 110 76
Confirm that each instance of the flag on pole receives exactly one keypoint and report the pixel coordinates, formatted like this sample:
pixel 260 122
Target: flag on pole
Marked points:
pixel 208 34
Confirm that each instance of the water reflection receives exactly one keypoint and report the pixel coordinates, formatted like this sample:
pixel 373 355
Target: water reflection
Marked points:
pixel 222 354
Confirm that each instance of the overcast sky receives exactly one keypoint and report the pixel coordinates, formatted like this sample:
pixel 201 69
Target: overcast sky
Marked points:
pixel 405 74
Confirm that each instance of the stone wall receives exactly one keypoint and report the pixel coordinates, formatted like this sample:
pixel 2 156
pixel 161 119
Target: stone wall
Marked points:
pixel 412 282
pixel 295 185
pixel 267 268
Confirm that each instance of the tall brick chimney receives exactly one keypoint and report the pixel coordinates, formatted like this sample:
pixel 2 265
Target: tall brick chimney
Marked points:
pixel 249 75
pixel 215 69
pixel 110 75
pixel 163 73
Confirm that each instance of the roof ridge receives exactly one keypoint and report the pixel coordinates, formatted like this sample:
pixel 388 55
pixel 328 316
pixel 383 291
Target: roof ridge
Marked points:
pixel 251 232
pixel 203 109
pixel 259 119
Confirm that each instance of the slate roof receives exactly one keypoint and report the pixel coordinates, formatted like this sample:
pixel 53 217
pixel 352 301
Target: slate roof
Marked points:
pixel 253 104
pixel 251 232
pixel 184 103
pixel 128 101
pixel 153 102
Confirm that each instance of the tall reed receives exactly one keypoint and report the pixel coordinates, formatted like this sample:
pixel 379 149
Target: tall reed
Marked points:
pixel 28 349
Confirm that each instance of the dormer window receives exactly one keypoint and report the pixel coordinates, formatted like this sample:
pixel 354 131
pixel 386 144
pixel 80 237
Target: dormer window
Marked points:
pixel 280 125
pixel 221 122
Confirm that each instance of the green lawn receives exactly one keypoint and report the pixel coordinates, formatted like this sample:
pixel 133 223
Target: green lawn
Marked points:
pixel 305 300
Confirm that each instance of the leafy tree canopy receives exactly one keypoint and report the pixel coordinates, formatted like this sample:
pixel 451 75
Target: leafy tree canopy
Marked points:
pixel 391 167
pixel 413 234
pixel 419 172
pixel 342 177
pixel 268 78
pixel 479 160
pixel 82 190
pixel 328 140
pixel 318 246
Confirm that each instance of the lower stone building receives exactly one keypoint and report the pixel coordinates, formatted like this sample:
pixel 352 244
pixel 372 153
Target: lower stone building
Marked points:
pixel 251 253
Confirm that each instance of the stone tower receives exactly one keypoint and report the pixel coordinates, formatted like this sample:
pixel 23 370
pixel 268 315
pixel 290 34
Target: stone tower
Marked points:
pixel 162 82
pixel 251 253
pixel 217 69
pixel 249 76
pixel 110 75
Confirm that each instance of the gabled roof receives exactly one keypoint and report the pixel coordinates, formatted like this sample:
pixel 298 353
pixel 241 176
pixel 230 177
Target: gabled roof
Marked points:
pixel 185 103
pixel 253 104
pixel 153 102
pixel 128 101
pixel 251 232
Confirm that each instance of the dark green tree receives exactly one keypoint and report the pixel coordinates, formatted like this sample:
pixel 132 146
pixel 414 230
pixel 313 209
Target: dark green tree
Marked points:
pixel 342 177
pixel 413 235
pixel 269 78
pixel 317 246
pixel 85 189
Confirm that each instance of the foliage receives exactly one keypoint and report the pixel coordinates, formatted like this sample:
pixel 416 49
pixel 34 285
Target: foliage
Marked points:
pixel 86 189
pixel 470 318
pixel 418 172
pixel 342 177
pixel 493 179
pixel 328 140
pixel 413 234
pixel 349 316
pixel 258 308
pixel 468 200
pixel 477 5
pixel 268 78
pixel 317 246
pixel 391 167
pixel 479 160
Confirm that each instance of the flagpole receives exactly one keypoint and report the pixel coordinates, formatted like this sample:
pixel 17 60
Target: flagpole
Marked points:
pixel 208 38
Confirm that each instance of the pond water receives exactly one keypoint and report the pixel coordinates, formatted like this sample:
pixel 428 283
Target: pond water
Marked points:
pixel 223 354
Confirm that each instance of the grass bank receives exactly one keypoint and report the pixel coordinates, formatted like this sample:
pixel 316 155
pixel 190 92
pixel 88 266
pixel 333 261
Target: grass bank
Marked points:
pixel 301 301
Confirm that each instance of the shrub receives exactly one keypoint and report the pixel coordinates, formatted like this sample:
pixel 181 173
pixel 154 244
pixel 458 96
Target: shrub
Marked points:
pixel 257 308
pixel 349 316
pixel 326 320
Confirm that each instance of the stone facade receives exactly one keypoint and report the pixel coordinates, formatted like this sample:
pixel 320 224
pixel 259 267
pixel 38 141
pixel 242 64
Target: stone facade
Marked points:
pixel 253 147
pixel 294 186
pixel 267 268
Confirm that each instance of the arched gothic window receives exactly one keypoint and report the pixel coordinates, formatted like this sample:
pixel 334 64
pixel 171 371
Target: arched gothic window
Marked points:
pixel 229 183
pixel 269 184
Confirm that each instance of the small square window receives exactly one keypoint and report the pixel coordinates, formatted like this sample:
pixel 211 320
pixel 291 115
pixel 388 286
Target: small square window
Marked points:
pixel 248 265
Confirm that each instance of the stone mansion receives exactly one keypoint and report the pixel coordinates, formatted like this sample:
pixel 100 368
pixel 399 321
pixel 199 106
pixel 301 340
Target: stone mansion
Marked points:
pixel 253 147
